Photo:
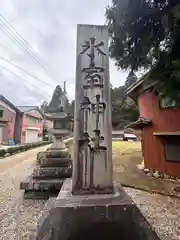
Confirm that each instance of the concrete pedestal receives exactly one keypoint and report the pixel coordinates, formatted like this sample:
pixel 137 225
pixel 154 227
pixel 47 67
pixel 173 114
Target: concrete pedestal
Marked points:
pixel 108 216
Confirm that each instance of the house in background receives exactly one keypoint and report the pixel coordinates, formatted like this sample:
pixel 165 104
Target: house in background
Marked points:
pixel 117 134
pixel 121 135
pixel 160 125
pixel 29 124
pixel 8 113
pixel 22 124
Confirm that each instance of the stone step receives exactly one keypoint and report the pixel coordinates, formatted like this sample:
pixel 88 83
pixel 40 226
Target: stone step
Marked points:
pixel 39 195
pixel 41 189
pixel 53 162
pixel 30 184
pixel 53 154
pixel 52 173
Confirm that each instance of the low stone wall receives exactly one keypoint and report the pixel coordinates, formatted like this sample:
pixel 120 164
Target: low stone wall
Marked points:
pixel 21 148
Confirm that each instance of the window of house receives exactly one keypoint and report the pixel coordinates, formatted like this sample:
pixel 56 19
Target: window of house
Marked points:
pixel 172 148
pixel 1 113
pixel 33 120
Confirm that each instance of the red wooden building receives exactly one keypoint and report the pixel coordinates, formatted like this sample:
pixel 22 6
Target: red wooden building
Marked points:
pixel 160 124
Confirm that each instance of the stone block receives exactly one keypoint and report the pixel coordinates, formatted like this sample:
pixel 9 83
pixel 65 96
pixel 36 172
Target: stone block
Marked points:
pixel 39 195
pixel 30 184
pixel 53 173
pixel 92 217
pixel 54 162
pixel 54 154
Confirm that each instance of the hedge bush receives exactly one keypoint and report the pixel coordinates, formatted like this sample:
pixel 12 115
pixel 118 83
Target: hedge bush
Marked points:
pixel 21 148
pixel 12 150
pixel 2 152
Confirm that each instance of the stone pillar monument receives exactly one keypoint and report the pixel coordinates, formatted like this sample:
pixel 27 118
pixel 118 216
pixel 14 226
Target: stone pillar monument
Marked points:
pixel 90 206
pixel 92 169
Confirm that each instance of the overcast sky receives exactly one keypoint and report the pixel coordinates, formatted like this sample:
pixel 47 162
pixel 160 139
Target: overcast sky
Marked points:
pixel 49 26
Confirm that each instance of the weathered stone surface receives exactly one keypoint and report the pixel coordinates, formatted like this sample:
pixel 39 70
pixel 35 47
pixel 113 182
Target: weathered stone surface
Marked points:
pixel 54 162
pixel 39 195
pixel 56 153
pixel 51 173
pixel 41 184
pixel 52 168
pixel 92 168
pixel 54 165
pixel 56 104
pixel 77 217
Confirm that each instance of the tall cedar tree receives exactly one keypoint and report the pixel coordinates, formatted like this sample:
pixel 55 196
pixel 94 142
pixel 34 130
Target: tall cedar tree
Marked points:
pixel 145 34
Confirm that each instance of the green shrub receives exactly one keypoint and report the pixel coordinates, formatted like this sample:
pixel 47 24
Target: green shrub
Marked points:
pixel 33 145
pixel 22 148
pixel 26 147
pixel 13 150
pixel 29 146
pixel 2 152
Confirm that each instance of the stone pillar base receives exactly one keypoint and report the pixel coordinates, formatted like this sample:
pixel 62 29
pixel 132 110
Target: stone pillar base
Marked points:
pixel 52 168
pixel 92 217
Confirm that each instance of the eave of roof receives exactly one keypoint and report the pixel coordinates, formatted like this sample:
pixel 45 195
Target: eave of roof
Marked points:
pixel 24 109
pixel 9 103
pixel 140 123
pixel 141 80
pixel 136 84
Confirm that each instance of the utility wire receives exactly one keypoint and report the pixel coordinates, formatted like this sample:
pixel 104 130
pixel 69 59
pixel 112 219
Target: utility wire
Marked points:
pixel 6 22
pixel 16 75
pixel 25 49
pixel 31 75
pixel 10 31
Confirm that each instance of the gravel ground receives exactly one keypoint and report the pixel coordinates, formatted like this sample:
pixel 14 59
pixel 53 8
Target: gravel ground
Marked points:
pixel 161 211
pixel 19 216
